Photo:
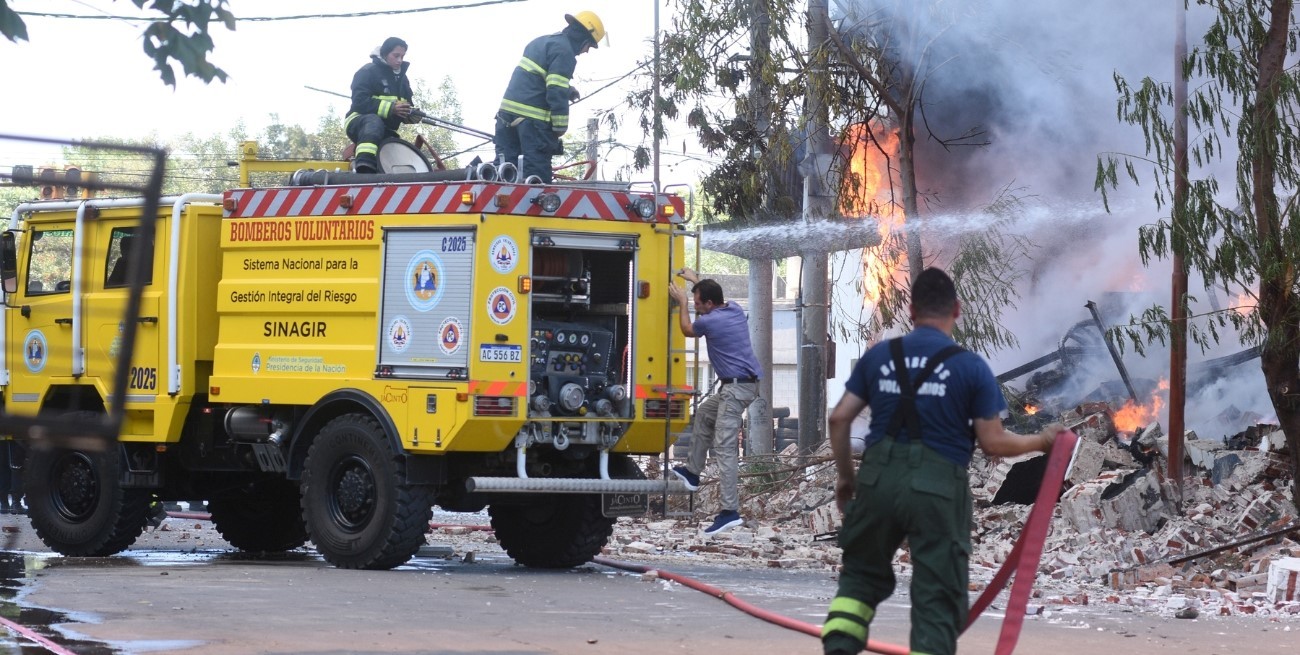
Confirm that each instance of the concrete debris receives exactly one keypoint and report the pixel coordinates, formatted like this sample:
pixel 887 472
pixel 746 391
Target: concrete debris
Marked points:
pixel 824 520
pixel 1254 437
pixel 1091 421
pixel 1203 452
pixel 1089 459
pixel 1282 580
pixel 1274 441
pixel 1117 456
pixel 989 477
pixel 1126 500
pixel 641 547
pixel 1148 437
pixel 1111 539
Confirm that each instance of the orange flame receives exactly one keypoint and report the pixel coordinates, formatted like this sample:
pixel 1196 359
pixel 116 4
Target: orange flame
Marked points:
pixel 867 192
pixel 1132 416
pixel 1031 409
pixel 1244 303
pixel 866 185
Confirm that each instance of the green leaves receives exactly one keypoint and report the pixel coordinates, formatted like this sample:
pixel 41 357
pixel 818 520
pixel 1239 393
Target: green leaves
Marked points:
pixel 708 63
pixel 1243 239
pixel 163 41
pixel 987 269
pixel 180 35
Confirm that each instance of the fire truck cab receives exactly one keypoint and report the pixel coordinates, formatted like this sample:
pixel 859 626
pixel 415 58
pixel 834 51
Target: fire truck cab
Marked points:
pixel 327 361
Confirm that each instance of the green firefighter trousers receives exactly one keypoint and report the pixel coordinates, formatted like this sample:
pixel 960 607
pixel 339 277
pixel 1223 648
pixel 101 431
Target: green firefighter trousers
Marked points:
pixel 905 491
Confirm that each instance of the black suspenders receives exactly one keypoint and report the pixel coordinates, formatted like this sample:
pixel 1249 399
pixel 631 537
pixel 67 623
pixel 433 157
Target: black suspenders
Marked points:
pixel 906 412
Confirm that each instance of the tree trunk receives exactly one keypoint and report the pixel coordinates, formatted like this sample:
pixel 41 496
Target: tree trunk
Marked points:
pixel 1277 299
pixel 907 175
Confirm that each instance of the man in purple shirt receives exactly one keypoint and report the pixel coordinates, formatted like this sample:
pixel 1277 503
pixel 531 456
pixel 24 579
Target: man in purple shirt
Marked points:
pixel 718 418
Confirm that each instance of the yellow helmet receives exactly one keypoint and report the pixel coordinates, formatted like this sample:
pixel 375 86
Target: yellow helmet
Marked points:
pixel 589 21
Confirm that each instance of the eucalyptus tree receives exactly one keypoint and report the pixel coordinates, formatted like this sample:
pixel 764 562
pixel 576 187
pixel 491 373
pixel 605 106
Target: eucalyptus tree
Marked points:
pixel 877 61
pixel 1244 234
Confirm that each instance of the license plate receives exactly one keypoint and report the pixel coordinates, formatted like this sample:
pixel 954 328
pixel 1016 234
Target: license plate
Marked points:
pixel 491 352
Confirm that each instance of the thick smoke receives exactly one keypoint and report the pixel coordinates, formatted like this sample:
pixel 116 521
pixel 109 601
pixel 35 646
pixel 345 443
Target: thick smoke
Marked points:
pixel 1037 80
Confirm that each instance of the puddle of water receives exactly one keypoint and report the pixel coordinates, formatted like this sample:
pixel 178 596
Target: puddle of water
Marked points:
pixel 60 627
pixel 15 570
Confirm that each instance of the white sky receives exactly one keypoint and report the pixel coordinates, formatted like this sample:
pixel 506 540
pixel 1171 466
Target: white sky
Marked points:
pixel 90 78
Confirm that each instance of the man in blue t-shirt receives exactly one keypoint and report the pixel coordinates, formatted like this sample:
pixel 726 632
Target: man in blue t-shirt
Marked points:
pixel 931 401
pixel 718 418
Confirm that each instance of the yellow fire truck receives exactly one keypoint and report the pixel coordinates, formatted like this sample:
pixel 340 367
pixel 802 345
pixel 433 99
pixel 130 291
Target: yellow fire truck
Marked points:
pixel 328 359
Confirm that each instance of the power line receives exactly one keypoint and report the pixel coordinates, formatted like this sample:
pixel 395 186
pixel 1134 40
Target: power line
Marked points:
pixel 267 19
pixel 620 78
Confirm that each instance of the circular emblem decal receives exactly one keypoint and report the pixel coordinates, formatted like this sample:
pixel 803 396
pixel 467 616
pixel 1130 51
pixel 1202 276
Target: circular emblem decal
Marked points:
pixel 399 334
pixel 449 336
pixel 504 254
pixel 257 362
pixel 35 351
pixel 501 305
pixel 424 278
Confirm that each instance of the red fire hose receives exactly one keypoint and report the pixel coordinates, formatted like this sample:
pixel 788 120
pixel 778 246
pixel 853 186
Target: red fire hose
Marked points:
pixel 19 629
pixel 1023 561
pixel 1027 552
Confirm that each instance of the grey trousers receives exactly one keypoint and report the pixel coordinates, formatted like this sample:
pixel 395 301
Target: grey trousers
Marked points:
pixel 717 428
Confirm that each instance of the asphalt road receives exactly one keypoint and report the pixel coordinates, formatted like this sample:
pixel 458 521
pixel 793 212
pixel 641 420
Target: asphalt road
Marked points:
pixel 183 591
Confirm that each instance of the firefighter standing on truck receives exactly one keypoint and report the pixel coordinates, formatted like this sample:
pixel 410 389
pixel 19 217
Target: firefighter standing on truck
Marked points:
pixel 930 402
pixel 534 113
pixel 381 102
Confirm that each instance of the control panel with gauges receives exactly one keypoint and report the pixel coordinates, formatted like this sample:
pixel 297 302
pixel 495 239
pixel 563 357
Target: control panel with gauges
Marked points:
pixel 571 367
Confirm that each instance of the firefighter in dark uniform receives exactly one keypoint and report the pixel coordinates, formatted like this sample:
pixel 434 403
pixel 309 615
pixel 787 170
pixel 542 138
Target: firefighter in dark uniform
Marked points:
pixel 534 113
pixel 381 102
pixel 931 401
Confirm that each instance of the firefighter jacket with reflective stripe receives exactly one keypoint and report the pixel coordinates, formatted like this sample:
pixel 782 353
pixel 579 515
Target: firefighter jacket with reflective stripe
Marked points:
pixel 376 88
pixel 539 85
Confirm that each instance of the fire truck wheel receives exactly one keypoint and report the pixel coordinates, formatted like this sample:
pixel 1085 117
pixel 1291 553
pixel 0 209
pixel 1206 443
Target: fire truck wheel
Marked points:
pixel 77 506
pixel 359 512
pixel 553 532
pixel 264 515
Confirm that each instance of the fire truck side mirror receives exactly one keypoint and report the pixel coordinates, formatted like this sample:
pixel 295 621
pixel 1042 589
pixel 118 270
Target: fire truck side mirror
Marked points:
pixel 9 261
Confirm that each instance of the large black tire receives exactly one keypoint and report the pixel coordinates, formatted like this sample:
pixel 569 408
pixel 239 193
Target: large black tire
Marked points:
pixel 622 467
pixel 558 531
pixel 360 513
pixel 76 503
pixel 264 515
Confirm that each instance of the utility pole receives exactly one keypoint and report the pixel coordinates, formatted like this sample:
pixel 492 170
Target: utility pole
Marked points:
pixel 761 441
pixel 1178 241
pixel 658 127
pixel 813 296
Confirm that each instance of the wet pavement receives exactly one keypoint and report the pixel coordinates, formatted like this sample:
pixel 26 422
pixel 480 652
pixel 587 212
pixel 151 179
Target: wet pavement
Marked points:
pixel 181 590
pixel 16 570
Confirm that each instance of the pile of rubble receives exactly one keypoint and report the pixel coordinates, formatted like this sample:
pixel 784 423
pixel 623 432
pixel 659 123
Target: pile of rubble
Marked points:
pixel 1116 535
pixel 1118 522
